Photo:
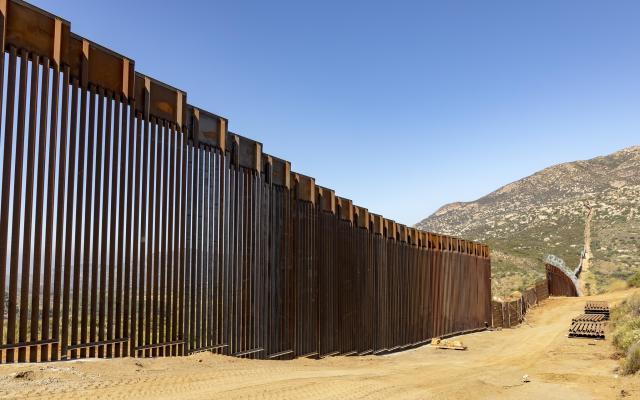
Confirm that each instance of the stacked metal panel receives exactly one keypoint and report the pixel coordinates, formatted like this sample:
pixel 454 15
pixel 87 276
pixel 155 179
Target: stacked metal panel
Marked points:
pixel 587 329
pixel 589 318
pixel 597 308
pixel 592 323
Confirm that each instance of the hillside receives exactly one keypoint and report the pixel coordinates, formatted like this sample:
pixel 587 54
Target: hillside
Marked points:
pixel 546 213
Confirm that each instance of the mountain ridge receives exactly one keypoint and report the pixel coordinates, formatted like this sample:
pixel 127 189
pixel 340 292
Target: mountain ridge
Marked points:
pixel 545 213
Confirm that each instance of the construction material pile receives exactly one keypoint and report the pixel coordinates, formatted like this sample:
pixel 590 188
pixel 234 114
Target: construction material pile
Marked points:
pixel 597 307
pixel 589 317
pixel 447 344
pixel 592 323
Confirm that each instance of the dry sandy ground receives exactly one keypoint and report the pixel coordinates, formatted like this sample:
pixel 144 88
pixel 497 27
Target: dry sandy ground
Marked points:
pixel 492 368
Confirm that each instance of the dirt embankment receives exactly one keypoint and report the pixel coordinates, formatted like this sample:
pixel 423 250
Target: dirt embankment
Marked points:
pixel 558 368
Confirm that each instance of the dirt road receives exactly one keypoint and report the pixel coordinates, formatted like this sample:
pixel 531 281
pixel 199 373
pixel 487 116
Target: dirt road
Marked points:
pixel 588 282
pixel 558 367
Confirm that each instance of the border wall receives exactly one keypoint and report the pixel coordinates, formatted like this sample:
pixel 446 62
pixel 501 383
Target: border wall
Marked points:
pixel 135 224
pixel 510 313
pixel 561 281
pixel 558 282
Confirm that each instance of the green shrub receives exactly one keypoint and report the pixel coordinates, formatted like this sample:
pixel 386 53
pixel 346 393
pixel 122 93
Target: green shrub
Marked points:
pixel 634 280
pixel 632 363
pixel 626 334
pixel 625 319
pixel 633 304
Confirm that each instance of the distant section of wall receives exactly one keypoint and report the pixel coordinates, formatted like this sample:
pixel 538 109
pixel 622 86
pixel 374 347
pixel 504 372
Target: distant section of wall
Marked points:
pixel 542 289
pixel 561 282
pixel 510 313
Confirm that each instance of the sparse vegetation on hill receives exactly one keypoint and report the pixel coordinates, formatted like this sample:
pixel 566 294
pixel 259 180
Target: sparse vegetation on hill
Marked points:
pixel 545 213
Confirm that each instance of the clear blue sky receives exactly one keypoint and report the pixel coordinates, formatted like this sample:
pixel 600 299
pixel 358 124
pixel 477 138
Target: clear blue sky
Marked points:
pixel 400 106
